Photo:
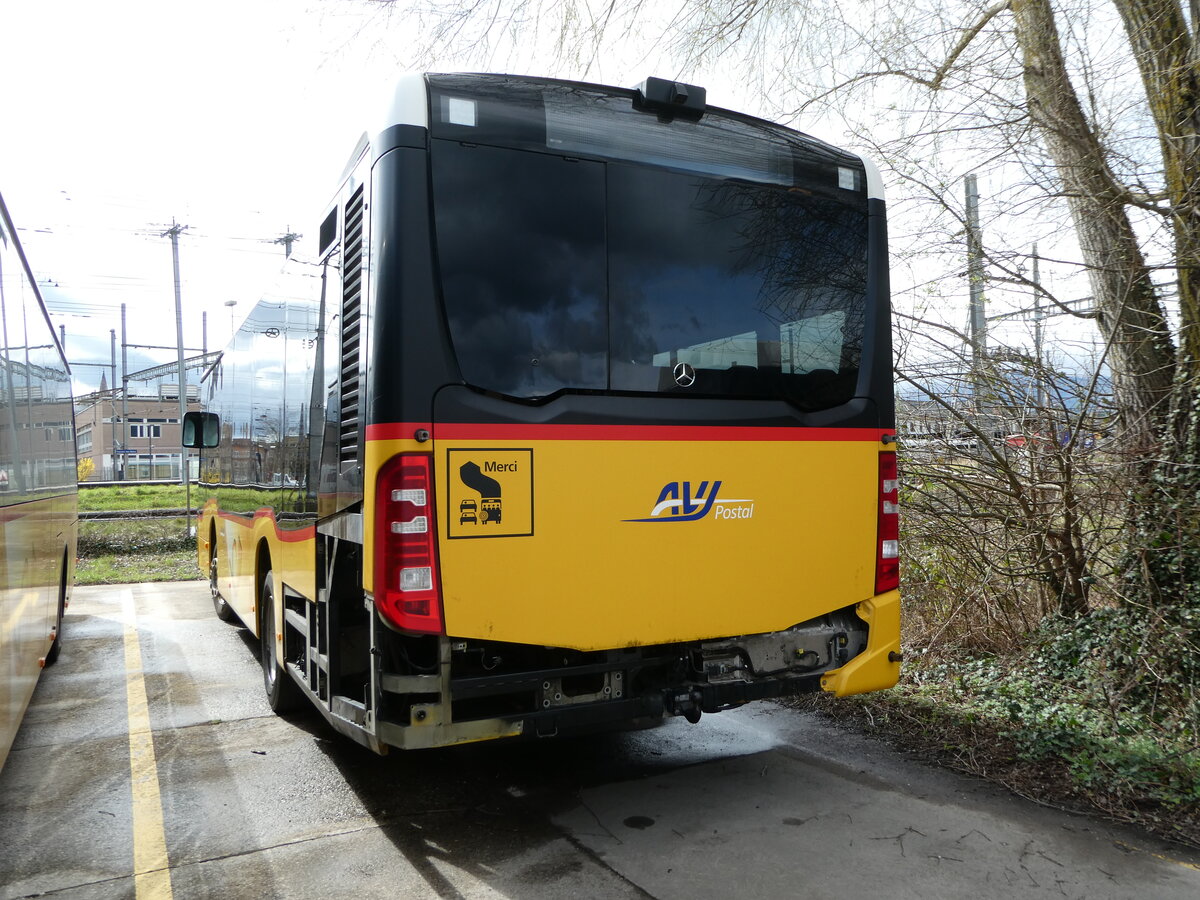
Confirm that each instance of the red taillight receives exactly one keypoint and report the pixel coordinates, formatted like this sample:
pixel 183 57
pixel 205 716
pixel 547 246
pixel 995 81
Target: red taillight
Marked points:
pixel 887 559
pixel 407 585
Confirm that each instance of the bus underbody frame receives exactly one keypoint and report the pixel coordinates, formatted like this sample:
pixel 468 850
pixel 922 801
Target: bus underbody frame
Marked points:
pixel 389 689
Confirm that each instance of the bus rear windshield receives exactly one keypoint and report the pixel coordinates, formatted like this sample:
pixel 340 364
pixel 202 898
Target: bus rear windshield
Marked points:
pixel 564 273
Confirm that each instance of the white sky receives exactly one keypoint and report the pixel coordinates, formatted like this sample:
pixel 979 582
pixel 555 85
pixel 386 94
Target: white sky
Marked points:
pixel 233 117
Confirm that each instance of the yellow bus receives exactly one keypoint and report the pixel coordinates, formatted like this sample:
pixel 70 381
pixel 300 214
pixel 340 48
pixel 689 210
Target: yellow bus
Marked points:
pixel 38 511
pixel 577 413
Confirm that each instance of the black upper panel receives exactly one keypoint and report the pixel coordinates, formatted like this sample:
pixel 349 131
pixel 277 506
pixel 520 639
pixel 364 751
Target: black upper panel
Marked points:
pixel 587 246
pixel 554 252
pixel 603 123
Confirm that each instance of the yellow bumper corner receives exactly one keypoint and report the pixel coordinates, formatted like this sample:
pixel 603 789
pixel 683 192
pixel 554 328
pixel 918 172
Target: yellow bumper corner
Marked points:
pixel 878 666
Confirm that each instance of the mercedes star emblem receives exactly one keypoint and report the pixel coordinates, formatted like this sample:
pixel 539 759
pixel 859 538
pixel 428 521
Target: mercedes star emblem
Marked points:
pixel 685 375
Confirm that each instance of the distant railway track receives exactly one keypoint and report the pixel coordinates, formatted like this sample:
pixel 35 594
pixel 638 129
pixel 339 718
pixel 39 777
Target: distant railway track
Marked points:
pixel 137 513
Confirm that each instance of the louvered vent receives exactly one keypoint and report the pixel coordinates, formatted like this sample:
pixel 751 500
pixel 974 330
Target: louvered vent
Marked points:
pixel 352 272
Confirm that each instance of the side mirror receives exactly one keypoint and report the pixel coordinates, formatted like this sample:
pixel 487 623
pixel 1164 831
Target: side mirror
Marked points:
pixel 201 429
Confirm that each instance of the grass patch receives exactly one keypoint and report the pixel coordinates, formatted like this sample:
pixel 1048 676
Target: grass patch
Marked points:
pixel 133 495
pixel 98 537
pixel 135 550
pixel 111 568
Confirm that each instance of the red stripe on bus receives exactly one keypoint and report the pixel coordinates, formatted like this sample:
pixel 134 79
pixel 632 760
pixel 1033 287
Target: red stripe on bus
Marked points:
pixel 32 506
pixel 465 431
pixel 293 535
pixel 14 512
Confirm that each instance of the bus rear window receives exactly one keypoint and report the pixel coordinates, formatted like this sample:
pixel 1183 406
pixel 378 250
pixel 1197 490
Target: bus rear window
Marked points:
pixel 563 274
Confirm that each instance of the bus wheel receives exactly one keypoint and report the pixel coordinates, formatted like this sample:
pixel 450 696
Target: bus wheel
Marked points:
pixel 224 610
pixel 283 694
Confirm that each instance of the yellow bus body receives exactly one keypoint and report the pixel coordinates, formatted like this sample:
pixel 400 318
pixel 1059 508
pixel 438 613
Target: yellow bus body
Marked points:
pixel 33 535
pixel 238 540
pixel 589 578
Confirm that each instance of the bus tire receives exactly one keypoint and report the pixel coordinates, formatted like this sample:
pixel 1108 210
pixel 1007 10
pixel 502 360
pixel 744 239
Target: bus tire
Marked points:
pixel 283 694
pixel 224 610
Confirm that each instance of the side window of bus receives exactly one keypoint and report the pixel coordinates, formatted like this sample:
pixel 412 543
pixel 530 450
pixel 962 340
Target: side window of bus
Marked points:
pixel 37 448
pixel 12 382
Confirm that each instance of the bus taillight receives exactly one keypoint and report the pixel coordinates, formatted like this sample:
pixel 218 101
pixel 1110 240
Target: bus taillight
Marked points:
pixel 407 582
pixel 887 561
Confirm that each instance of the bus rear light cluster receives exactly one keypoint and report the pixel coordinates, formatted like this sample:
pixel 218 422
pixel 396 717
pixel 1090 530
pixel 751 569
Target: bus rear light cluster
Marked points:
pixel 887 560
pixel 407 584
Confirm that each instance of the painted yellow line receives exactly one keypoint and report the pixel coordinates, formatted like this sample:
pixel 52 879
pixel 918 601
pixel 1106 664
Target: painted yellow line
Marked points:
pixel 151 869
pixel 1161 856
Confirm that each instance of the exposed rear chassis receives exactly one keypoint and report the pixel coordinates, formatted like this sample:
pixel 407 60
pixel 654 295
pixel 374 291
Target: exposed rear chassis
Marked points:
pixel 476 690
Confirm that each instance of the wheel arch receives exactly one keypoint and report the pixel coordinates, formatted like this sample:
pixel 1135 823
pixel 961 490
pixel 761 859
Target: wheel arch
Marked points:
pixel 60 604
pixel 262 565
pixel 64 577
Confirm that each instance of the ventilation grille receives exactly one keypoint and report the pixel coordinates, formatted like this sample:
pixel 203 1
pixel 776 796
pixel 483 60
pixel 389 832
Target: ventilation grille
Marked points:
pixel 352 270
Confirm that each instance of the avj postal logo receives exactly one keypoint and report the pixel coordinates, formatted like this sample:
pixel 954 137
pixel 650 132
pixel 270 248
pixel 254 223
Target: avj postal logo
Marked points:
pixel 679 501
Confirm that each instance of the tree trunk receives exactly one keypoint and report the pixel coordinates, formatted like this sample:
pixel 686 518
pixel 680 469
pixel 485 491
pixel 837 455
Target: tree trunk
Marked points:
pixel 1141 354
pixel 1168 56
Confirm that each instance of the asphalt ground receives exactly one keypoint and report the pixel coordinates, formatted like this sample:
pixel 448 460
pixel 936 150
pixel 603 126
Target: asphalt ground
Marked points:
pixel 150 766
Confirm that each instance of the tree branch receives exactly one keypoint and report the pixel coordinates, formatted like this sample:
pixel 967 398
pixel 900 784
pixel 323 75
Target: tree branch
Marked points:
pixel 969 35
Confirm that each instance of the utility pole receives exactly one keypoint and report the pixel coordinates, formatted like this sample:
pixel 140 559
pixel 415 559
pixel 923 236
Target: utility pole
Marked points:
pixel 230 304
pixel 975 276
pixel 287 240
pixel 124 391
pixel 112 398
pixel 1038 330
pixel 173 233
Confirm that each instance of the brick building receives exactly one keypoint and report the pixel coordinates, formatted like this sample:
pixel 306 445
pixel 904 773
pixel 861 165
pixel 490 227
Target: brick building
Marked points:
pixel 133 438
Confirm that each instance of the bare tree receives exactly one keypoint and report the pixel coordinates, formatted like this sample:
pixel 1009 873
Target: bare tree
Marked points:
pixel 1009 490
